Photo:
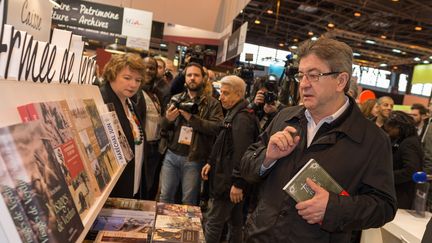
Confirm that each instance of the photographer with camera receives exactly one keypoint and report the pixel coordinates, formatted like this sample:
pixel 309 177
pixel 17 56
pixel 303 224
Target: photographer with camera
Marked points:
pixel 265 103
pixel 189 127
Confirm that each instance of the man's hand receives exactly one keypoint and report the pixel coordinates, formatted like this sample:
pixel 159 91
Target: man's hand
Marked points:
pixel 281 144
pixel 185 114
pixel 204 172
pixel 313 210
pixel 236 194
pixel 259 97
pixel 172 113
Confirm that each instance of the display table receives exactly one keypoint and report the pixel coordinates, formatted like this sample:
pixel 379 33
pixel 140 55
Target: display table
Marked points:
pixel 405 227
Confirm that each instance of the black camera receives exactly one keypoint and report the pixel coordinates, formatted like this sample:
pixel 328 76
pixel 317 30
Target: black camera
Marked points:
pixel 270 97
pixel 190 107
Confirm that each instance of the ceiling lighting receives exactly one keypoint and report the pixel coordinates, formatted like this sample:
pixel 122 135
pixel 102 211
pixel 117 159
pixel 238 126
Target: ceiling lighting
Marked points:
pixel 330 25
pixel 307 8
pixel 310 33
pixel 269 11
pixel 162 45
pixel 241 11
pixel 281 44
pixel 426 62
pixel 314 38
pixel 370 41
pixel 383 37
pixel 357 14
pixel 395 0
pixel 417 59
pixel 418 28
pixel 395 67
pixel 430 57
pixel 55 2
pixel 293 47
pixel 296 40
pixel 383 65
pixel 396 51
pixel 257 21
pixel 356 54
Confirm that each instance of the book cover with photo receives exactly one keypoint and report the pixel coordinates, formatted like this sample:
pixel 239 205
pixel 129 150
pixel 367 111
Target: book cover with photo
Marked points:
pixel 178 210
pixel 122 220
pixel 92 149
pixel 101 136
pixel 119 236
pixel 169 235
pixel 16 211
pixel 300 191
pixel 129 203
pixel 39 182
pixel 88 142
pixel 178 222
pixel 60 134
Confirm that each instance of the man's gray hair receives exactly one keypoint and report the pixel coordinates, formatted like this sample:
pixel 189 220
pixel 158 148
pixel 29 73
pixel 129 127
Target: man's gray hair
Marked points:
pixel 237 84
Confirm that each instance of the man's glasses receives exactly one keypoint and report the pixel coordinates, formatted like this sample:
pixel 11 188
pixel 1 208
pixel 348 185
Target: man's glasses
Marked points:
pixel 312 77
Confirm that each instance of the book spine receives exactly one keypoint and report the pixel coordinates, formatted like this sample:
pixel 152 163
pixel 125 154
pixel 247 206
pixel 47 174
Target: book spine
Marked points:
pixel 113 138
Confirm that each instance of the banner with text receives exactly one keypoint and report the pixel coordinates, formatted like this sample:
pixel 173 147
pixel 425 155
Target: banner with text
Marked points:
pixel 34 17
pixel 105 22
pixel 236 42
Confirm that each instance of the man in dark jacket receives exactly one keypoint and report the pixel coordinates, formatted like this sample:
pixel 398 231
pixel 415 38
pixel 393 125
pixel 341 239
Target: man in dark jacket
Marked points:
pixel 227 188
pixel 329 128
pixel 189 136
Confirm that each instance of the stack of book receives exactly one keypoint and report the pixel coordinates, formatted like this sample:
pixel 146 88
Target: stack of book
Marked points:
pixel 130 220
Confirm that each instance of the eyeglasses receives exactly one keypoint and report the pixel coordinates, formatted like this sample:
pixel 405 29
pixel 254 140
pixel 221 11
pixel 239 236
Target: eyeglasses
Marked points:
pixel 312 77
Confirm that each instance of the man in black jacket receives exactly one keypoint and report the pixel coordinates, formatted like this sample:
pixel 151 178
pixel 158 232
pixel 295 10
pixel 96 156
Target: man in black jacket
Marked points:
pixel 329 128
pixel 227 188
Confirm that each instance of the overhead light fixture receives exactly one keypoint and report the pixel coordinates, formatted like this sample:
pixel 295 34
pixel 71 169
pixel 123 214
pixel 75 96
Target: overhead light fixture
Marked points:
pixel 418 28
pixel 314 38
pixel 370 42
pixel 395 0
pixel 310 33
pixel 269 11
pixel 357 14
pixel 395 67
pixel 241 11
pixel 383 65
pixel 356 54
pixel 330 25
pixel 396 51
pixel 296 40
pixel 281 44
pixel 56 3
pixel 426 62
pixel 293 47
pixel 430 57
pixel 383 37
pixel 163 45
pixel 417 59
pixel 257 21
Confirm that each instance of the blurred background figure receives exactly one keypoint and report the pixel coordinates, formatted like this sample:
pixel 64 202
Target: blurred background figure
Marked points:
pixel 407 155
pixel 385 107
pixel 369 109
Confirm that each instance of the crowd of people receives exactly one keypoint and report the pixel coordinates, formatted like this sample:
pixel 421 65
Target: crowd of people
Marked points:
pixel 183 133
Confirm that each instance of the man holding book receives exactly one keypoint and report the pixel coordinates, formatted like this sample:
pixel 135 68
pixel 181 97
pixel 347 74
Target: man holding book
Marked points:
pixel 330 129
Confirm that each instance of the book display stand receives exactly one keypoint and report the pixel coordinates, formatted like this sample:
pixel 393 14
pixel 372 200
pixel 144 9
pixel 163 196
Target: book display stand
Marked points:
pixel 16 93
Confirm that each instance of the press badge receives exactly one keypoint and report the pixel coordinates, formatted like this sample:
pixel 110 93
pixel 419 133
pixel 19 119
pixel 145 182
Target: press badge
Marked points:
pixel 185 136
